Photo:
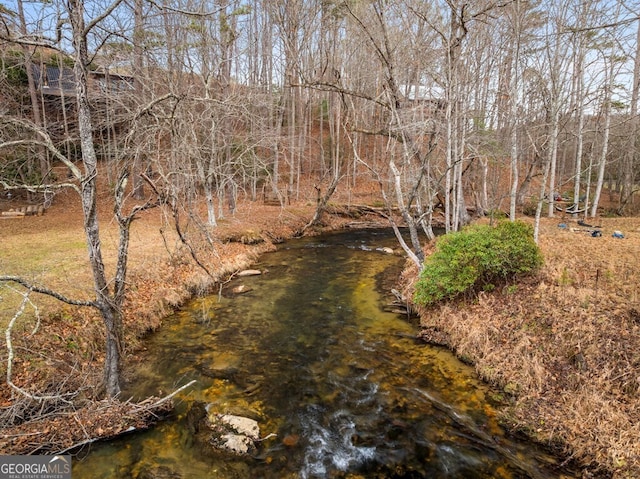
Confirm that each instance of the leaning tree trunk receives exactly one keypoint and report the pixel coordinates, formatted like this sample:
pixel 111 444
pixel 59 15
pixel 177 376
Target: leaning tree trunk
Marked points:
pixel 321 204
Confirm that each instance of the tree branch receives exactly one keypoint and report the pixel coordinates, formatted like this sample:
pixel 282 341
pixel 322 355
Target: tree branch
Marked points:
pixel 46 291
pixel 331 87
pixel 190 13
pixel 150 407
pixel 25 41
pixel 10 353
pixel 46 142
pixel 89 26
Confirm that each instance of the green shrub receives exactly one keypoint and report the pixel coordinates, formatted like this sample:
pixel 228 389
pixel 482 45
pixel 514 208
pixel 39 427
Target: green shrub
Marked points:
pixel 477 258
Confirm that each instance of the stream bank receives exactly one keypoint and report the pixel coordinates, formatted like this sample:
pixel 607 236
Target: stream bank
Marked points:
pixel 338 386
pixel 562 348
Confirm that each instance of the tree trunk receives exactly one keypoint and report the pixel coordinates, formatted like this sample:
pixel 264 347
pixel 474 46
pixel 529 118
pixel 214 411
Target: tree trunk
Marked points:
pixel 110 313
pixel 513 110
pixel 579 106
pixel 553 153
pixel 33 91
pixel 602 162
pixel 630 154
pixel 138 31
pixel 543 185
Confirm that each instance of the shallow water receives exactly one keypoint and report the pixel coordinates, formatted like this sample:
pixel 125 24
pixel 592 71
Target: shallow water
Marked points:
pixel 343 385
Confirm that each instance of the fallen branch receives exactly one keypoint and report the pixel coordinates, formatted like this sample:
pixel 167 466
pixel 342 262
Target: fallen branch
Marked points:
pixel 161 401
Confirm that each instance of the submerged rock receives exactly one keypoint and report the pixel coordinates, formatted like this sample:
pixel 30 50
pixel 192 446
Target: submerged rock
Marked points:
pixel 218 371
pixel 291 440
pixel 241 289
pixel 158 472
pixel 195 417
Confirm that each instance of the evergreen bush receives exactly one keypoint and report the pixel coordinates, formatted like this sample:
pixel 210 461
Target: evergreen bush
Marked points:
pixel 477 258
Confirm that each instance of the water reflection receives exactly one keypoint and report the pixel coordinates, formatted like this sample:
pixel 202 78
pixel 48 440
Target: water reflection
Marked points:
pixel 311 355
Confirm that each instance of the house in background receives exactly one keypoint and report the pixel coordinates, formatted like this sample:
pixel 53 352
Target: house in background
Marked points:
pixel 52 80
pixel 104 81
pixel 60 81
pixel 56 86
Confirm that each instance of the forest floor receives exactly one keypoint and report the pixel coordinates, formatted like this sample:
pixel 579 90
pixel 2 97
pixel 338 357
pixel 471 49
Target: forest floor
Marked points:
pixel 562 348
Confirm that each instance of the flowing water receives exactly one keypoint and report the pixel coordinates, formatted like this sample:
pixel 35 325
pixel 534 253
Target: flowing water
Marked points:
pixel 311 355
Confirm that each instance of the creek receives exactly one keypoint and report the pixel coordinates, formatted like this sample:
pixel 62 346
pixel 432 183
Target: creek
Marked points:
pixel 344 387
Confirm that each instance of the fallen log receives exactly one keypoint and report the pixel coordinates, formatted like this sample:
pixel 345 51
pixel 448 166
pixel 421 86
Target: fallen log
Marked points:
pixel 14 214
pixel 31 210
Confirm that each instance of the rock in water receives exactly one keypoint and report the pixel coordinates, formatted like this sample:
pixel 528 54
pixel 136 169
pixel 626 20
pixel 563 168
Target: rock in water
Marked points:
pixel 234 434
pixel 158 472
pixel 240 289
pixel 242 425
pixel 249 272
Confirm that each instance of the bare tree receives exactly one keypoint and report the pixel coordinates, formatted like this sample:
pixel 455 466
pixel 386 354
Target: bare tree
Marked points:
pixel 578 99
pixel 605 115
pixel 109 292
pixel 514 90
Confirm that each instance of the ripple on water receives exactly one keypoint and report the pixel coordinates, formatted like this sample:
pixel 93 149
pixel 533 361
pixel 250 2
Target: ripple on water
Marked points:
pixel 330 442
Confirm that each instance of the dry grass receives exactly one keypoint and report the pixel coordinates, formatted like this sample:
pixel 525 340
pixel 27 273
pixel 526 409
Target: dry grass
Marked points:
pixel 565 346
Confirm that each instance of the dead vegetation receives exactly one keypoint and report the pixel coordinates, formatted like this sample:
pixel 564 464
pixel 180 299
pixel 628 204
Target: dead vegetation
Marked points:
pixel 564 347
pixel 76 425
